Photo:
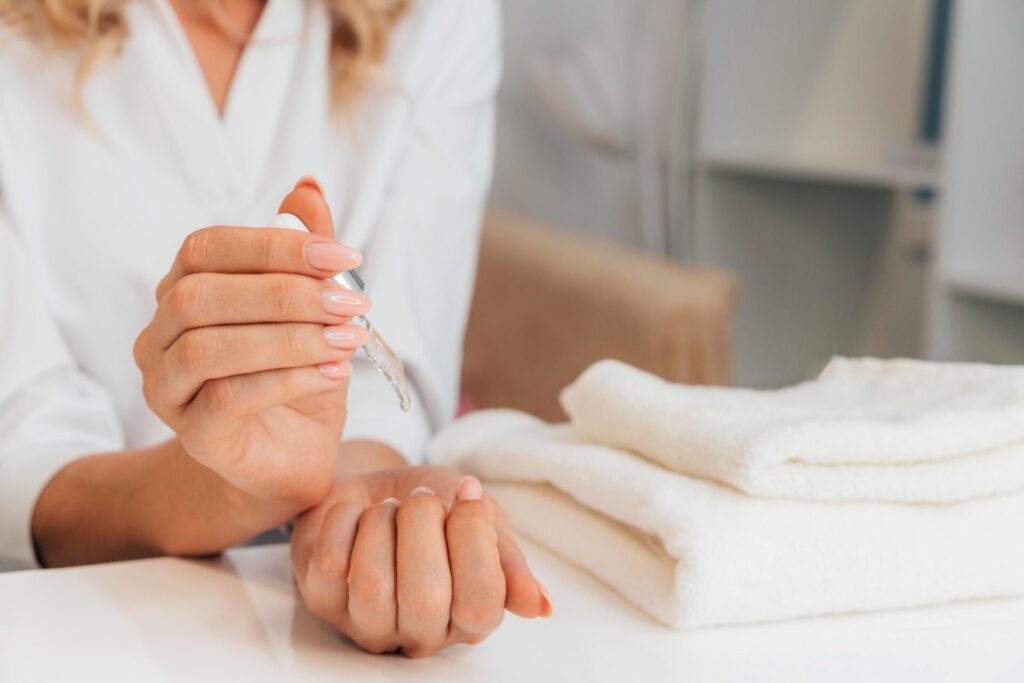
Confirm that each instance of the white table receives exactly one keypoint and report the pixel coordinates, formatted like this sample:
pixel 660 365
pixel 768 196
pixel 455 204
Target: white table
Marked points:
pixel 238 619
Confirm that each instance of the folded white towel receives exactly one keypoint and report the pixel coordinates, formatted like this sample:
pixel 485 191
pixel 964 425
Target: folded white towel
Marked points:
pixel 693 553
pixel 866 429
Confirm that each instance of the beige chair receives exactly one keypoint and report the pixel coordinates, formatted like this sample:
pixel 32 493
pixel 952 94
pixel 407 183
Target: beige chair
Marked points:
pixel 549 303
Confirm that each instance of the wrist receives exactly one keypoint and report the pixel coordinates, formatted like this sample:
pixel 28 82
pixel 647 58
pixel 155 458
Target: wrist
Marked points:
pixel 192 510
pixel 366 457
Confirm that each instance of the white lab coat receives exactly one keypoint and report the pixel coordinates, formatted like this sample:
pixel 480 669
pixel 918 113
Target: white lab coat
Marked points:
pixel 91 217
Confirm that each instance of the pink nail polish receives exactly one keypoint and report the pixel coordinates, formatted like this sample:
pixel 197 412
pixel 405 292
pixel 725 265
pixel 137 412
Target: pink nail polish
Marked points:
pixel 310 181
pixel 335 370
pixel 331 256
pixel 339 301
pixel 546 609
pixel 421 490
pixel 344 337
pixel 470 488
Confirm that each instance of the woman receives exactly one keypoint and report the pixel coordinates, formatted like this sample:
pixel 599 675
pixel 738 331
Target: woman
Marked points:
pixel 125 128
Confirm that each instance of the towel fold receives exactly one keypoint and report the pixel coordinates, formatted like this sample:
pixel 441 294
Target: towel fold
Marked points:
pixel 866 429
pixel 694 553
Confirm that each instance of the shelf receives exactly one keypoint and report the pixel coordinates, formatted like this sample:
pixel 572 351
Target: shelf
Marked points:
pixel 990 287
pixel 892 176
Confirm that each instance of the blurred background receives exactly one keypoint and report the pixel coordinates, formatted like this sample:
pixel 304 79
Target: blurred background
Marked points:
pixel 857 166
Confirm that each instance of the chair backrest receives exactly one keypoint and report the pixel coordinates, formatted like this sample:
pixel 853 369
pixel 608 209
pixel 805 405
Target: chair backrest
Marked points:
pixel 549 303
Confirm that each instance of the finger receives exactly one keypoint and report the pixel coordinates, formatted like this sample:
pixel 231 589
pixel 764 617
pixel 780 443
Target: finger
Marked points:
pixel 372 608
pixel 307 203
pixel 209 353
pixel 324 580
pixel 478 583
pixel 209 299
pixel 248 394
pixel 224 249
pixel 524 594
pixel 424 578
pixel 303 537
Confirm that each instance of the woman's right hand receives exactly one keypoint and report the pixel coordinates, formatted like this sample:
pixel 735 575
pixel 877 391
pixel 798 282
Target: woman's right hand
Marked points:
pixel 246 358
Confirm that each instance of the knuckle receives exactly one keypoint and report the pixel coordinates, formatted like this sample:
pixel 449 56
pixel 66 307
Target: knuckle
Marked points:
pixel 481 615
pixel 267 247
pixel 161 288
pixel 333 567
pixel 184 299
pixel 296 340
pixel 195 249
pixel 139 348
pixel 426 602
pixel 374 594
pixel 284 296
pixel 219 395
pixel 193 350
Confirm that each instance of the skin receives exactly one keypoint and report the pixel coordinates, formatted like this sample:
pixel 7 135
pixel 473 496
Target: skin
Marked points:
pixel 247 360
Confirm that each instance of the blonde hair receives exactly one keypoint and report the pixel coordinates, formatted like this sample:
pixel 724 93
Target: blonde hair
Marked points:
pixel 96 30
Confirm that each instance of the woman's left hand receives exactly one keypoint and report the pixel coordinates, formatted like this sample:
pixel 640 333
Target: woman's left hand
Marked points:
pixel 412 560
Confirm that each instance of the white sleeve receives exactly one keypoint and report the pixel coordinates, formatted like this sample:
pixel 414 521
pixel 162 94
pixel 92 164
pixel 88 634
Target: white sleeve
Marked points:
pixel 50 413
pixel 421 261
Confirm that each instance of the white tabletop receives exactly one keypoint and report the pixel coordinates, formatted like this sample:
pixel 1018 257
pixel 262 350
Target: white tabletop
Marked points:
pixel 238 619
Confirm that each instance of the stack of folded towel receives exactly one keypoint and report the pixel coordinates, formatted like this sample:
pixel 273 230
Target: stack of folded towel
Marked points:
pixel 881 484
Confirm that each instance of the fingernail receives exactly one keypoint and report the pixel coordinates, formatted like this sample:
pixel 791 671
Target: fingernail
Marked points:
pixel 310 181
pixel 340 301
pixel 546 609
pixel 331 256
pixel 421 490
pixel 470 488
pixel 344 336
pixel 391 501
pixel 335 370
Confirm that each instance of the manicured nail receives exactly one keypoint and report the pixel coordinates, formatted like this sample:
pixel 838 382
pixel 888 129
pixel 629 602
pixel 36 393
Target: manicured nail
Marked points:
pixel 344 336
pixel 546 609
pixel 340 301
pixel 470 488
pixel 391 501
pixel 331 256
pixel 310 181
pixel 336 370
pixel 421 490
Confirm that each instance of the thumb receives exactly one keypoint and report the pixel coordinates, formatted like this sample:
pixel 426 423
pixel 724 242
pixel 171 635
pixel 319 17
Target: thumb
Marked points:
pixel 308 203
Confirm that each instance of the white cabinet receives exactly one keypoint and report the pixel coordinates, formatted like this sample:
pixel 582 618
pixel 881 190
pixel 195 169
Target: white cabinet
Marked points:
pixel 978 291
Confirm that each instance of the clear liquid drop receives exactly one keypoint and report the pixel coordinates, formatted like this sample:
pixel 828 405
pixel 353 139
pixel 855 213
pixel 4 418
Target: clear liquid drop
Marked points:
pixel 387 363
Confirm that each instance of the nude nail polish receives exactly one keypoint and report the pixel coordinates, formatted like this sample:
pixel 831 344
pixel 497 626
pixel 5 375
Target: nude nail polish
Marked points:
pixel 338 301
pixel 335 370
pixel 391 501
pixel 342 337
pixel 421 490
pixel 331 256
pixel 305 208
pixel 470 488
